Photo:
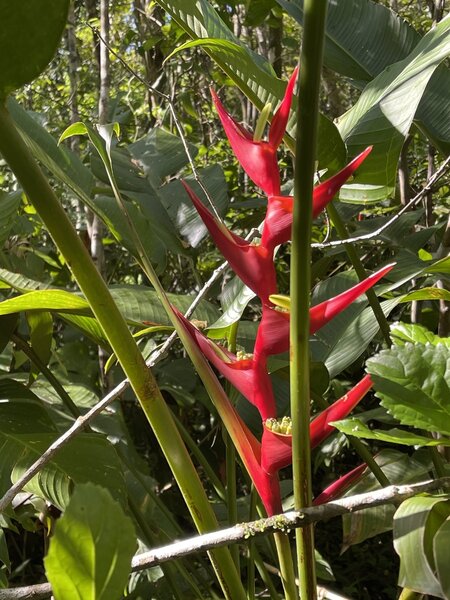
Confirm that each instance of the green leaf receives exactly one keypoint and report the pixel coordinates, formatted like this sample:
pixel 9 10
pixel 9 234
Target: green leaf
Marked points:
pixel 90 553
pixel 415 523
pixel 65 165
pixel 161 154
pixel 388 105
pixel 78 128
pixel 430 293
pixel 399 468
pixel 41 337
pixel 181 210
pixel 9 205
pixel 441 544
pixel 252 73
pixel 413 382
pixel 363 38
pixel 54 300
pixel 357 428
pixel 29 37
pixel 416 334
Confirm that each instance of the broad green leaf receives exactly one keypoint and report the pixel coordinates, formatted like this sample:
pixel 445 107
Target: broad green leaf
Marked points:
pixel 413 382
pixel 41 336
pixel 399 468
pixel 21 283
pixel 429 293
pixel 441 544
pixel 234 299
pixel 54 300
pixel 252 73
pixel 29 37
pixel 9 205
pixel 161 154
pixel 88 457
pixel 343 345
pixel 416 334
pixel 90 553
pixel 415 524
pixel 181 210
pixel 363 38
pixel 388 105
pixel 138 305
pixel 357 428
pixel 65 165
pixel 4 554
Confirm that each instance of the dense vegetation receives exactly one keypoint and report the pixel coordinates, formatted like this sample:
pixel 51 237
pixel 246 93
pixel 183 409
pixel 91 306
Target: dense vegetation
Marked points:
pixel 156 199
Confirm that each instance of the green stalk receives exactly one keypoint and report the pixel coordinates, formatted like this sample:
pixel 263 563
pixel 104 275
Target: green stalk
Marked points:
pixel 361 272
pixel 37 188
pixel 251 548
pixel 230 460
pixel 304 166
pixel 47 373
pixel 286 565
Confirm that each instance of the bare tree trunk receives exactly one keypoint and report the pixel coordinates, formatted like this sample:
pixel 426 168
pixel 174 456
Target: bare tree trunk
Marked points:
pixel 74 142
pixel 92 14
pixel 96 229
pixel 149 19
pixel 275 45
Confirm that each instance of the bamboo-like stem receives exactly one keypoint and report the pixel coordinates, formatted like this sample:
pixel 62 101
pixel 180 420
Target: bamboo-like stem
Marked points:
pixel 367 457
pixel 251 549
pixel 361 272
pixel 304 167
pixel 286 565
pixel 22 163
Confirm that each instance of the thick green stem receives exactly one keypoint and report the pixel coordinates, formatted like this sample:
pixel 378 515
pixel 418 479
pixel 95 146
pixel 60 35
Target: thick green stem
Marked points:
pixel 304 167
pixel 367 457
pixel 37 188
pixel 286 565
pixel 361 272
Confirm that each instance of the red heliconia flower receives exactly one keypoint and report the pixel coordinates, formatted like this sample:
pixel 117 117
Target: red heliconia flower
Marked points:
pixel 259 158
pixel 252 263
pixel 247 375
pixel 273 332
pixel 278 221
pixel 276 447
pixel 341 485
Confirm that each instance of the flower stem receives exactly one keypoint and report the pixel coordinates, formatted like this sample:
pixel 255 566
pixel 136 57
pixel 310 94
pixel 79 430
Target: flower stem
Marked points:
pixel 38 190
pixel 361 272
pixel 286 565
pixel 304 165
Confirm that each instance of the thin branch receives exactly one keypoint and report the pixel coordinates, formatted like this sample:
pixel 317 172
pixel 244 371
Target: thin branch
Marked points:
pixel 394 494
pixel 373 234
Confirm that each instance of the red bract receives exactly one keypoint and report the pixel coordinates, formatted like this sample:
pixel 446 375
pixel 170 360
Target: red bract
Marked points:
pixel 247 376
pixel 273 331
pixel 259 158
pixel 278 221
pixel 252 263
pixel 338 487
pixel 276 448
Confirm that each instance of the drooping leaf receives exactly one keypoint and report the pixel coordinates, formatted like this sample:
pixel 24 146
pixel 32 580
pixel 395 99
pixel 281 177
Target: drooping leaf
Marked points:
pixel 29 36
pixel 413 382
pixel 363 38
pixel 441 544
pixel 388 105
pixel 358 429
pixel 90 553
pixel 41 336
pixel 399 468
pixel 252 73
pixel 416 522
pixel 9 205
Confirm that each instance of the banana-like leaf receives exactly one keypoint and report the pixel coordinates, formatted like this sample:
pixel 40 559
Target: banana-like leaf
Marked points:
pixel 386 108
pixel 9 205
pixel 252 73
pixel 399 468
pixel 362 38
pixel 416 334
pixel 357 428
pixel 416 523
pixel 26 431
